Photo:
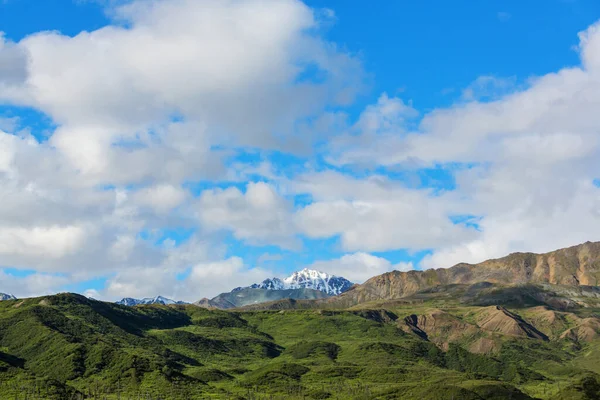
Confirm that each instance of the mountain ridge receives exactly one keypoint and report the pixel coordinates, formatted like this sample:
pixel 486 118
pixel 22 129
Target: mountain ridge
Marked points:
pixel 130 301
pixel 306 284
pixel 575 267
pixel 7 296
pixel 305 279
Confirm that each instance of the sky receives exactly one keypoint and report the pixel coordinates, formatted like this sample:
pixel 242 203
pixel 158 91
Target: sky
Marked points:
pixel 183 148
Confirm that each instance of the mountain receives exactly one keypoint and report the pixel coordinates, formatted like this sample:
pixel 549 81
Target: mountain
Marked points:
pixel 128 301
pixel 307 284
pixel 306 279
pixel 241 297
pixel 573 267
pixel 4 296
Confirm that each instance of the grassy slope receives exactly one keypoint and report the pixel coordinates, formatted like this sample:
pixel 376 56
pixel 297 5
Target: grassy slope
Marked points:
pixel 64 345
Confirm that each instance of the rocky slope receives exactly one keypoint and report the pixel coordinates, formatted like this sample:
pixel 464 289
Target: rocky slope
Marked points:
pixel 438 326
pixel 576 267
pixel 499 320
pixel 486 329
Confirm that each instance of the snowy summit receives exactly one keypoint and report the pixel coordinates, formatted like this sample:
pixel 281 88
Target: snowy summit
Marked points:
pixel 306 279
pixel 128 301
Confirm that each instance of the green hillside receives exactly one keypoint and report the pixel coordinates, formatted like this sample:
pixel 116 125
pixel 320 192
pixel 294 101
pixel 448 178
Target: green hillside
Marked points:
pixel 69 347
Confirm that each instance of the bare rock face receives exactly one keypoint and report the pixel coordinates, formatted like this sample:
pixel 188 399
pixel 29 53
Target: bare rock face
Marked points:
pixel 577 266
pixel 587 330
pixel 500 320
pixel 492 323
pixel 438 327
pixel 205 303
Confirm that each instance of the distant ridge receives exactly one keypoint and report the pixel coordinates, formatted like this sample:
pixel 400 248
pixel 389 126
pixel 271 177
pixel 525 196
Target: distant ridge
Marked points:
pixel 573 266
pixel 307 284
pixel 306 279
pixel 128 301
pixel 562 278
pixel 4 296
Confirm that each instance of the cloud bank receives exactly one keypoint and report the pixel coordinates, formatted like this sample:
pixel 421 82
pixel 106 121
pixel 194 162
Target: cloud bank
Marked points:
pixel 154 118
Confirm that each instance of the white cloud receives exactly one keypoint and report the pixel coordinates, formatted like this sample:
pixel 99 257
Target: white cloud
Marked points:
pixel 539 222
pixel 53 241
pixel 210 62
pixel 162 198
pixel 135 126
pixel 92 294
pixel 13 64
pixel 387 114
pixel 213 278
pixel 143 106
pixel 260 215
pixel 206 279
pixel 488 88
pixel 358 267
pixel 376 214
pixel 387 118
pixel 534 153
pixel 37 284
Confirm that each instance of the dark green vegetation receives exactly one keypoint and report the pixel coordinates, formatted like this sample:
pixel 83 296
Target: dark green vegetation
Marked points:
pixel 440 347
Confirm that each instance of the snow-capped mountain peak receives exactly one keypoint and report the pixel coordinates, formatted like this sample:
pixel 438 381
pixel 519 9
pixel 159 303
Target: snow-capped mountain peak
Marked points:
pixel 128 301
pixel 307 279
pixel 307 274
pixel 4 296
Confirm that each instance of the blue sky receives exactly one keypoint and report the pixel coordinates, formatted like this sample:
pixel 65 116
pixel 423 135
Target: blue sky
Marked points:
pixel 328 134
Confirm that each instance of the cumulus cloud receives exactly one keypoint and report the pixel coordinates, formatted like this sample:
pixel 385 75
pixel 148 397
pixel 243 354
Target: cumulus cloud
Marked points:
pixel 52 241
pixel 217 277
pixel 134 127
pixel 260 215
pixel 378 123
pixel 376 214
pixel 205 279
pixel 161 198
pixel 358 267
pixel 13 64
pixel 161 96
pixel 533 152
pixel 36 284
pixel 231 65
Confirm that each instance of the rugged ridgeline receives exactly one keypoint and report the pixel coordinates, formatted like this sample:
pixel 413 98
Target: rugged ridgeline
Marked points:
pixel 129 301
pixel 4 296
pixel 571 270
pixel 306 284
